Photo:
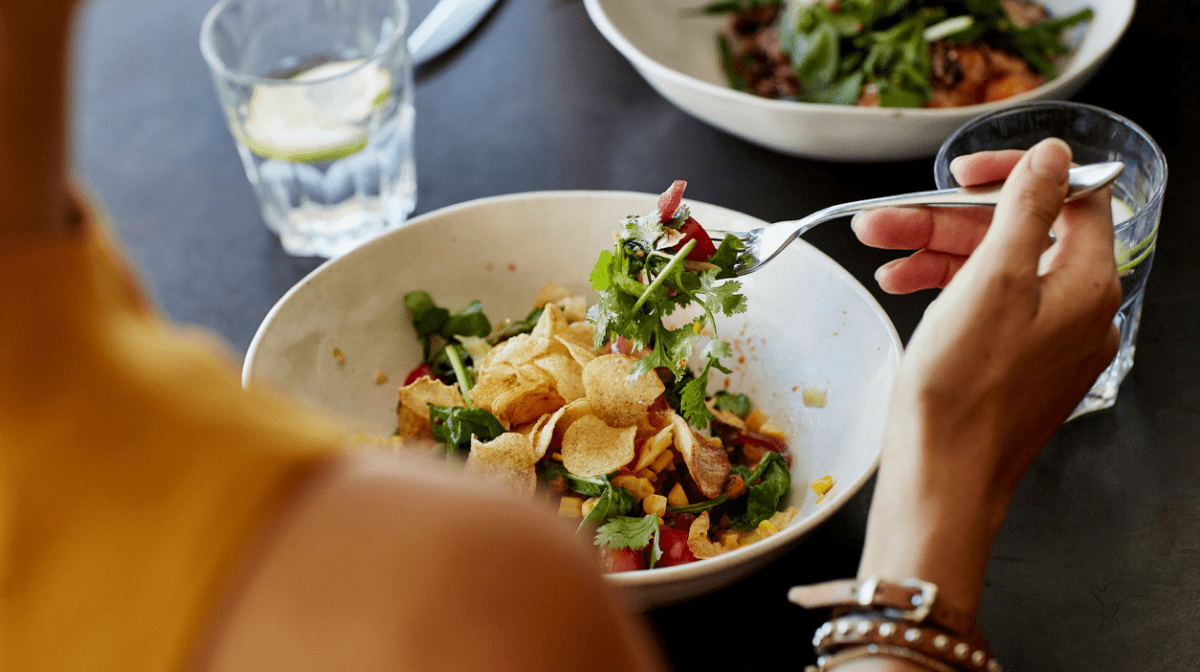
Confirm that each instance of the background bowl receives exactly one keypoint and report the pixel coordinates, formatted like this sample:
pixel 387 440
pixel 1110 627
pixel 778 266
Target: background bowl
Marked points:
pixel 810 324
pixel 677 54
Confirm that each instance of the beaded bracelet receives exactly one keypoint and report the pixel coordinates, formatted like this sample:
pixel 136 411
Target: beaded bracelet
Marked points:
pixel 828 663
pixel 858 630
pixel 897 619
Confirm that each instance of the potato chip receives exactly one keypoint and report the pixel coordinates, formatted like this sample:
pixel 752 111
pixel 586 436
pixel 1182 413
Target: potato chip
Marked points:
pixel 616 399
pixel 508 459
pixel 699 543
pixel 525 403
pixel 518 350
pixel 410 425
pixel 551 292
pixel 542 435
pixel 583 355
pixel 581 333
pixel 492 381
pixel 567 374
pixel 708 463
pixel 550 324
pixel 417 395
pixel 592 448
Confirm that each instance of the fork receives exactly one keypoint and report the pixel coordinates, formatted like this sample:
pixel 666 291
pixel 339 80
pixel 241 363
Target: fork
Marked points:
pixel 764 243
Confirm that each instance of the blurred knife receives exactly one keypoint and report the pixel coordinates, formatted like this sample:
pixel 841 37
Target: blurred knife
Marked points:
pixel 447 23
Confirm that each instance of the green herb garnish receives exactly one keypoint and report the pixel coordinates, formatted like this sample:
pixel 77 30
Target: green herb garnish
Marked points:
pixel 640 284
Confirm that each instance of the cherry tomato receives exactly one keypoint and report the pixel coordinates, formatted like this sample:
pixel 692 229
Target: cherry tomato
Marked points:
pixel 704 249
pixel 668 203
pixel 421 371
pixel 613 560
pixel 675 551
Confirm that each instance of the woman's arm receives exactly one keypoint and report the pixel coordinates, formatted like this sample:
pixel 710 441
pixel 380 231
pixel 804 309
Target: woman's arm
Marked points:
pixel 997 364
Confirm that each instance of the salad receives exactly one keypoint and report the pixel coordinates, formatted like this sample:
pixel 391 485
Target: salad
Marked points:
pixel 891 53
pixel 596 409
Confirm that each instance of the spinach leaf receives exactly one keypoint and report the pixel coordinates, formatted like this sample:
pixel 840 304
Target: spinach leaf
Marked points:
pixel 762 497
pixel 453 426
pixel 738 404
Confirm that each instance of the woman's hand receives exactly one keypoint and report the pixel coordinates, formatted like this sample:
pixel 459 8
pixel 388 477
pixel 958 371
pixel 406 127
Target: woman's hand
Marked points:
pixel 1000 359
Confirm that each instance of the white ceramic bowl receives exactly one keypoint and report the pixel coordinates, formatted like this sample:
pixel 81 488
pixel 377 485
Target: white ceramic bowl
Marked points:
pixel 809 324
pixel 677 55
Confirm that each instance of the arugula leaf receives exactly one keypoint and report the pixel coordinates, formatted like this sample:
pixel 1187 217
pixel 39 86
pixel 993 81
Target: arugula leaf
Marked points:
pixel 513 328
pixel 738 404
pixel 436 325
pixel 762 498
pixel 627 532
pixel 453 426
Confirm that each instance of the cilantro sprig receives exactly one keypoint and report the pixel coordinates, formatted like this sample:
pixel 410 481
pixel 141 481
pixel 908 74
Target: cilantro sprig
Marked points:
pixel 645 279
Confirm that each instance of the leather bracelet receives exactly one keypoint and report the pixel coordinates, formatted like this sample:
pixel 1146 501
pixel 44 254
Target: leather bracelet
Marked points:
pixel 906 599
pixel 929 643
pixel 827 663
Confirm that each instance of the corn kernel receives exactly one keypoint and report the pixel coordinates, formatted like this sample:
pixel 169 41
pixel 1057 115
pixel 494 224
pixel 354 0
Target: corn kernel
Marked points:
pixel 755 419
pixel 570 507
pixel 640 487
pixel 653 447
pixel 665 458
pixel 648 475
pixel 588 504
pixel 677 497
pixel 766 529
pixel 772 431
pixel 821 486
pixel 729 540
pixel 656 504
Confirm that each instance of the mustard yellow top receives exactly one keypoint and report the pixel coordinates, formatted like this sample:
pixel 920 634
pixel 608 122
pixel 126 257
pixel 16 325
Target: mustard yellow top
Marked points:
pixel 133 467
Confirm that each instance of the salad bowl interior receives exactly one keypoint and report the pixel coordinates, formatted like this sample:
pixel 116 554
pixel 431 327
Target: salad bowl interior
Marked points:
pixel 809 326
pixel 675 50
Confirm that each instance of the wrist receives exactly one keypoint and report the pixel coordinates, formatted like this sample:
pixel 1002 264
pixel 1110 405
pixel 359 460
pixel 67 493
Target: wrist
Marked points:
pixel 932 518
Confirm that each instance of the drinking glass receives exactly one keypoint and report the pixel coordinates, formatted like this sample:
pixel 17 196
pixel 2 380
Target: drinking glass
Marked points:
pixel 1094 135
pixel 318 95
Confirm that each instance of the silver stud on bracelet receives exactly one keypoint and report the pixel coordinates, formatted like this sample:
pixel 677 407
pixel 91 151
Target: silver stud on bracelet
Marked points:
pixel 940 642
pixel 961 650
pixel 863 627
pixel 912 635
pixel 993 665
pixel 887 629
pixel 978 658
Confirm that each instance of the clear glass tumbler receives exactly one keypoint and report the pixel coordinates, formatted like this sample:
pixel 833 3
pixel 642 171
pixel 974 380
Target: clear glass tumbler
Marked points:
pixel 318 94
pixel 1094 135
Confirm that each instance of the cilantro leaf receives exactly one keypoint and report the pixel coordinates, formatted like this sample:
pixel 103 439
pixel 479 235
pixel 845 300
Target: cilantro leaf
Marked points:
pixel 627 532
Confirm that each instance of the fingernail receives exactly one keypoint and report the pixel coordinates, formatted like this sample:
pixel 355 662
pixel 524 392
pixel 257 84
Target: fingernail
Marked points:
pixel 956 164
pixel 1051 158
pixel 856 221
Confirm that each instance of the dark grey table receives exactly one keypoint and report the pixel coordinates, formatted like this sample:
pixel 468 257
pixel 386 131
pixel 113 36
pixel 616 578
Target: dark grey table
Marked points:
pixel 1098 567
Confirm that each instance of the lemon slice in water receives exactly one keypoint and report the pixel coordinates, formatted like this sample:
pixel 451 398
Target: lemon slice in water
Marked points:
pixel 316 115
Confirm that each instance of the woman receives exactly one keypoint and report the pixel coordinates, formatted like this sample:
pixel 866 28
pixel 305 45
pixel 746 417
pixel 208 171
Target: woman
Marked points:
pixel 155 516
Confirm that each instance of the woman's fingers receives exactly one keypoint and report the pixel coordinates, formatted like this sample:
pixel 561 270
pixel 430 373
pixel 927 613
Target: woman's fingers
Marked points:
pixel 949 230
pixel 1029 203
pixel 983 167
pixel 922 270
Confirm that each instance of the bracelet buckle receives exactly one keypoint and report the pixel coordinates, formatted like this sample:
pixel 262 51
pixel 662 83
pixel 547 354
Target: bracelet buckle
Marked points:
pixel 922 603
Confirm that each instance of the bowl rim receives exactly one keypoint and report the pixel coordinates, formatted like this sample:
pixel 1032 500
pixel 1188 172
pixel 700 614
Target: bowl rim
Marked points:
pixel 640 60
pixel 660 576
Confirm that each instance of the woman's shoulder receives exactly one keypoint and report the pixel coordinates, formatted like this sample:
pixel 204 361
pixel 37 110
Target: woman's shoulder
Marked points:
pixel 387 562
